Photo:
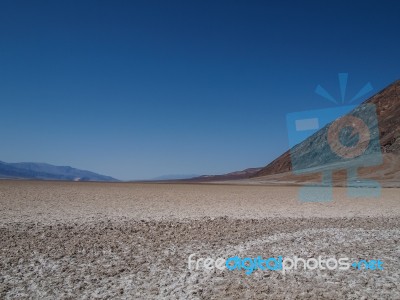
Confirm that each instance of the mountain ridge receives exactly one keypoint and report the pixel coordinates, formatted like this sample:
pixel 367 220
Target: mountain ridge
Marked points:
pixel 389 129
pixel 45 171
pixel 387 102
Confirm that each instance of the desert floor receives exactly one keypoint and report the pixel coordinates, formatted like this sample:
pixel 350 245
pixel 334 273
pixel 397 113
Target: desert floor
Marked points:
pixel 73 240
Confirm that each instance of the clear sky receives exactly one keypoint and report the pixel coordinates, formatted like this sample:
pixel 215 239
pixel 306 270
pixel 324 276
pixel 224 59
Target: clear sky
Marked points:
pixel 136 90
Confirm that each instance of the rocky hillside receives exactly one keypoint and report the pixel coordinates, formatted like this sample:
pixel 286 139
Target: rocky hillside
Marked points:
pixel 387 104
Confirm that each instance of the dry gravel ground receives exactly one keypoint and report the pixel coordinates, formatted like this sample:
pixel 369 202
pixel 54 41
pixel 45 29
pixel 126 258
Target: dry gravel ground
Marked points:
pixel 70 240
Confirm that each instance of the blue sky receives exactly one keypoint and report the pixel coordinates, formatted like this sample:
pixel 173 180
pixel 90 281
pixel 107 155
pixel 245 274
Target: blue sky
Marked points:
pixel 136 90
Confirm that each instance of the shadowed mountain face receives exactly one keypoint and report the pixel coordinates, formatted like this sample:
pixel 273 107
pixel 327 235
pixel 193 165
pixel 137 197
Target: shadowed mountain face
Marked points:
pixel 388 113
pixel 49 172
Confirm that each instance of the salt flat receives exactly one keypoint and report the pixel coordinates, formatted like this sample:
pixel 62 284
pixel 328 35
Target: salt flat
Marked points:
pixel 69 240
pixel 47 201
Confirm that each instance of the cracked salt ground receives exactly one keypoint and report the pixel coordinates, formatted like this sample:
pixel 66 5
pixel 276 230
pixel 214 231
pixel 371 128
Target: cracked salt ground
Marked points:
pixel 100 241
pixel 125 259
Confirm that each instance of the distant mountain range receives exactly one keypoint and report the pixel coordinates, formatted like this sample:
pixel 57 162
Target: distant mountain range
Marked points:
pixel 387 104
pixel 28 170
pixel 174 177
pixel 243 174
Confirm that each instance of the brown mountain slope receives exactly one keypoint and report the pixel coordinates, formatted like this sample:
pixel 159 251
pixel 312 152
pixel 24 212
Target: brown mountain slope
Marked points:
pixel 387 104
